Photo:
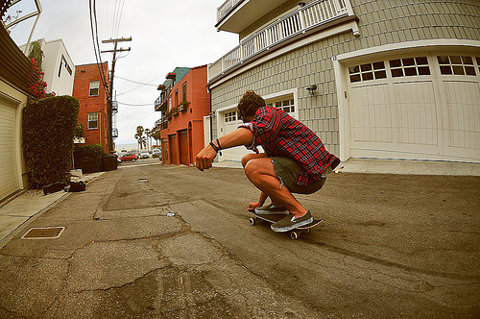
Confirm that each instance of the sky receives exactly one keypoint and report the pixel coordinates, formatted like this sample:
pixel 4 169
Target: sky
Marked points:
pixel 165 34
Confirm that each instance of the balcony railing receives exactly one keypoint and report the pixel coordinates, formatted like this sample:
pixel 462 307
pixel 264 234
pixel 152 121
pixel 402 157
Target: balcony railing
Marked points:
pixel 308 17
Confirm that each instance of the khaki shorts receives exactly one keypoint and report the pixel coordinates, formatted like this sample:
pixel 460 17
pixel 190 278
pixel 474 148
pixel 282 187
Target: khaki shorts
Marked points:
pixel 287 170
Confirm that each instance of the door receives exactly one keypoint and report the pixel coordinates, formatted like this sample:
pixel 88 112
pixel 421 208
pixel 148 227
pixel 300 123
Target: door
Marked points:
pixel 414 107
pixel 9 179
pixel 172 141
pixel 183 144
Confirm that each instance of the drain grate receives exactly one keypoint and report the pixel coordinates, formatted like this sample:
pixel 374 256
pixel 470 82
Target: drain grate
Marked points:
pixel 44 233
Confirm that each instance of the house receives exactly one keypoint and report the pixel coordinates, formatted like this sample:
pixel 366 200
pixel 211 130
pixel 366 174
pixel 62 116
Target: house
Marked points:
pixel 374 79
pixel 184 102
pixel 58 67
pixel 14 70
pixel 90 91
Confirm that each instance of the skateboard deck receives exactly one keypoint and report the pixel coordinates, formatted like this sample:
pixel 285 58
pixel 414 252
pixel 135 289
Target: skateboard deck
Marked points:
pixel 273 218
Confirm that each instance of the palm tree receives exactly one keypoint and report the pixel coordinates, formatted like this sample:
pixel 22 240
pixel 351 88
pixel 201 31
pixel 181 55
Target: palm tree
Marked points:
pixel 148 132
pixel 139 137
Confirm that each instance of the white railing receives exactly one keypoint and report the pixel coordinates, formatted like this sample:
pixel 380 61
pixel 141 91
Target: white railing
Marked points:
pixel 225 8
pixel 307 17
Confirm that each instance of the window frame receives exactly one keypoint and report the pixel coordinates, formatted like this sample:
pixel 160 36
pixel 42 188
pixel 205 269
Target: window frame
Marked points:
pixel 90 88
pixel 92 120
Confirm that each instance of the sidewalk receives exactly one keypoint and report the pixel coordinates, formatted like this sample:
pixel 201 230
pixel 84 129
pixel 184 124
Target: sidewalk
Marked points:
pixel 26 205
pixel 402 167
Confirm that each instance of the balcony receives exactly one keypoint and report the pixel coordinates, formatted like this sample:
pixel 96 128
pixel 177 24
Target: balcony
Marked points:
pixel 114 106
pixel 235 15
pixel 161 103
pixel 315 16
pixel 114 133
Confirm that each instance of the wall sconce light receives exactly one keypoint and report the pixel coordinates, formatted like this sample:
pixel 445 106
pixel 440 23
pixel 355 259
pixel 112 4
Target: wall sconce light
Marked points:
pixel 311 89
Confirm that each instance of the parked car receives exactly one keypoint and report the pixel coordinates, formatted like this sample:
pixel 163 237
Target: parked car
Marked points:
pixel 156 152
pixel 144 155
pixel 128 157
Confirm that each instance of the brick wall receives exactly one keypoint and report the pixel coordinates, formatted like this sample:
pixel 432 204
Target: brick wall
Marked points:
pixel 84 74
pixel 380 22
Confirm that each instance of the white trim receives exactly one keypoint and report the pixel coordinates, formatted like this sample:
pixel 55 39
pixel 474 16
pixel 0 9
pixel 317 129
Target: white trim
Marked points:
pixel 344 27
pixel 433 43
pixel 341 61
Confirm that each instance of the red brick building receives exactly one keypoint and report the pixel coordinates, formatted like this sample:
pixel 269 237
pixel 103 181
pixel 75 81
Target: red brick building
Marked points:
pixel 184 101
pixel 88 89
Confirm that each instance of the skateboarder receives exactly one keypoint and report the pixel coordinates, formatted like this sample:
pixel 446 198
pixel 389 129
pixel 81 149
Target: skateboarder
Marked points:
pixel 295 159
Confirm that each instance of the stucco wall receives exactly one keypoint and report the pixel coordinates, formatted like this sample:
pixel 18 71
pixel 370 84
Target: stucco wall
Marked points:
pixel 380 22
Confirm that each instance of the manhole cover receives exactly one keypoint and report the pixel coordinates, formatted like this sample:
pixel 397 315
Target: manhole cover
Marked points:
pixel 44 233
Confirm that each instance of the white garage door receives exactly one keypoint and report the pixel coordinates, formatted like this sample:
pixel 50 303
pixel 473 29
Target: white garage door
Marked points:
pixel 231 122
pixel 9 180
pixel 416 107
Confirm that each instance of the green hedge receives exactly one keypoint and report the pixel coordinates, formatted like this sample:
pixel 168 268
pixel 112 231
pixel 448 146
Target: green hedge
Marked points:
pixel 89 157
pixel 48 132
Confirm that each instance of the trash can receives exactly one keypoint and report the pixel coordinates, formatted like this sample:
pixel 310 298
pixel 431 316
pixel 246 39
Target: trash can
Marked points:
pixel 109 162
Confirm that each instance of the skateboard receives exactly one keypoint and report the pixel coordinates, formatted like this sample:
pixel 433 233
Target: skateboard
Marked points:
pixel 273 218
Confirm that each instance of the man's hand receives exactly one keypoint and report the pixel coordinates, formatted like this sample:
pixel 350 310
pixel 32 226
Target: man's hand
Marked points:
pixel 205 158
pixel 252 206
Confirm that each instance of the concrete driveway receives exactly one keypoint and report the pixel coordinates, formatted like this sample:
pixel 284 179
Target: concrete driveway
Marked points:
pixel 157 241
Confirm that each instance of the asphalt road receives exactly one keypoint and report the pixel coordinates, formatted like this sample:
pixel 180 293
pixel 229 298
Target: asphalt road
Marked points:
pixel 391 246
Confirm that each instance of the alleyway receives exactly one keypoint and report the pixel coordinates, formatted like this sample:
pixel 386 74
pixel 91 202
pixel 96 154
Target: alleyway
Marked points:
pixel 391 246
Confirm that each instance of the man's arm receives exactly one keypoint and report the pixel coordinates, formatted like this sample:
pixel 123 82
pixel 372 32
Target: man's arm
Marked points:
pixel 241 136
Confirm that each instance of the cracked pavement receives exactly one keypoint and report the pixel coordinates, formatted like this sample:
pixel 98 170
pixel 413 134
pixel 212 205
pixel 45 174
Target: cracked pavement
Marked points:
pixel 391 246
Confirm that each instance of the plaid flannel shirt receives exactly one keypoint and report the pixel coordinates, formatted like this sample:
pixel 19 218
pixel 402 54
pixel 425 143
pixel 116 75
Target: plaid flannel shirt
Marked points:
pixel 281 135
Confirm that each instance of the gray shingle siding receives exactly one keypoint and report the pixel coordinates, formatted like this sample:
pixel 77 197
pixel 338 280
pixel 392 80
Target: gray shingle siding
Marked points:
pixel 380 22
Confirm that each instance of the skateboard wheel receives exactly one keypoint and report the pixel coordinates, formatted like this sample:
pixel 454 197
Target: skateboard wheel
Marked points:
pixel 252 221
pixel 294 235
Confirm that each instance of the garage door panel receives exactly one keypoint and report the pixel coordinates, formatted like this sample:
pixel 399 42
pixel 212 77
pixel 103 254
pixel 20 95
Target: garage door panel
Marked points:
pixel 372 115
pixel 415 103
pixel 9 181
pixel 463 104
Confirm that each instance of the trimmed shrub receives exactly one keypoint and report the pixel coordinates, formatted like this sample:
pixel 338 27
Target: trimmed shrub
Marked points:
pixel 48 131
pixel 89 157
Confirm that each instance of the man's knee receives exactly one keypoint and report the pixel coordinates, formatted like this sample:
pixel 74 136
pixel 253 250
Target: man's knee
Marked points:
pixel 246 159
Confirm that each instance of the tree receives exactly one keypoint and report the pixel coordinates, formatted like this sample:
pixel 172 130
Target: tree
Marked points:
pixel 148 132
pixel 140 138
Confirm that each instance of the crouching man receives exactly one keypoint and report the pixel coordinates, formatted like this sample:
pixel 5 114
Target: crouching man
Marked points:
pixel 295 159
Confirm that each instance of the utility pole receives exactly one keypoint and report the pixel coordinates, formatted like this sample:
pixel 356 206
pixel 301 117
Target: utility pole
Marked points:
pixel 110 94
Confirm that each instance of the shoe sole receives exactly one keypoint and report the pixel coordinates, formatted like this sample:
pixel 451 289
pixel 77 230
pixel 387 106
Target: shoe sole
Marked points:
pixel 271 212
pixel 292 227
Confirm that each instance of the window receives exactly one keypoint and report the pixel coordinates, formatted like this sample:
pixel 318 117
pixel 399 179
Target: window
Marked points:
pixel 367 72
pixel 409 67
pixel 176 98
pixel 94 88
pixel 184 90
pixel 92 121
pixel 286 105
pixel 230 116
pixel 63 61
pixel 169 103
pixel 456 65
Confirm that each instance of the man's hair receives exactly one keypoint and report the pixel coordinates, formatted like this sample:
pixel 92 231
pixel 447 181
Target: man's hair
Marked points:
pixel 249 104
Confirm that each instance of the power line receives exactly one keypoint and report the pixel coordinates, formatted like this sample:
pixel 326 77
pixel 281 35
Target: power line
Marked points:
pixel 136 82
pixel 128 104
pixel 96 48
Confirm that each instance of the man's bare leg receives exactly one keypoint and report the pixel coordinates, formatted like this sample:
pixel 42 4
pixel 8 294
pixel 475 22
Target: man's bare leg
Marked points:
pixel 261 173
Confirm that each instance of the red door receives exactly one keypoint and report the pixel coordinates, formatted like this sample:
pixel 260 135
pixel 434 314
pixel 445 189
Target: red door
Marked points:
pixel 183 143
pixel 172 141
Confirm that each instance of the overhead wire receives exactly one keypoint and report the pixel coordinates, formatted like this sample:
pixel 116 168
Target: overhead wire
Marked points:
pixel 96 47
pixel 119 19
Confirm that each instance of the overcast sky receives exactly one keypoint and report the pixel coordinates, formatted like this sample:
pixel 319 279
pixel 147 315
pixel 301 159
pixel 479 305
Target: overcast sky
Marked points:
pixel 166 34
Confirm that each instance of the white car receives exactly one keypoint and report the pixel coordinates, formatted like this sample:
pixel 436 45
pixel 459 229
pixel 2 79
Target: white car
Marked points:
pixel 156 152
pixel 144 155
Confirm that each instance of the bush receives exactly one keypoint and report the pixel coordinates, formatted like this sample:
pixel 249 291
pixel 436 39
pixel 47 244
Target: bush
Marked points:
pixel 89 157
pixel 48 131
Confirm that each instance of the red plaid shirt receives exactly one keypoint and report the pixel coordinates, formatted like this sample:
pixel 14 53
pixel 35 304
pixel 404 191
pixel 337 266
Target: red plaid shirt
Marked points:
pixel 281 135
